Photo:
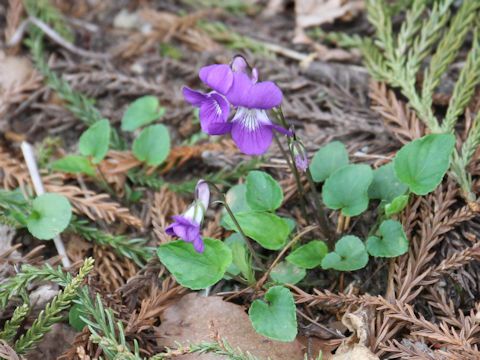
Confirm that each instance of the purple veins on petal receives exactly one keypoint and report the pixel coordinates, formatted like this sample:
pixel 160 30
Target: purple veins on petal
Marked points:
pixel 214 111
pixel 218 76
pixel 252 131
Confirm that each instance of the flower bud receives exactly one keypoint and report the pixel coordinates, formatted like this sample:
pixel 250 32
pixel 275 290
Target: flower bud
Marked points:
pixel 300 155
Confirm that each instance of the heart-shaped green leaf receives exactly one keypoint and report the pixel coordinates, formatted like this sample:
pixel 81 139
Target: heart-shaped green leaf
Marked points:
pixel 152 145
pixel 349 255
pixel 192 269
pixel 422 163
pixel 51 214
pixel 346 189
pixel 310 255
pixel 269 230
pixel 327 160
pixel 385 185
pixel 94 141
pixel 392 243
pixel 141 112
pixel 397 205
pixel 276 320
pixel 74 164
pixel 236 200
pixel 263 192
pixel 287 273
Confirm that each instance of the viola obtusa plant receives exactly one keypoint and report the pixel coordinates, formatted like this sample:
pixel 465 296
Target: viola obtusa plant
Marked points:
pixel 251 208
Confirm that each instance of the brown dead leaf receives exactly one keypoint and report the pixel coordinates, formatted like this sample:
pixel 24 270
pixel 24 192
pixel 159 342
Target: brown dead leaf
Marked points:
pixel 17 78
pixel 189 321
pixel 316 12
pixel 354 346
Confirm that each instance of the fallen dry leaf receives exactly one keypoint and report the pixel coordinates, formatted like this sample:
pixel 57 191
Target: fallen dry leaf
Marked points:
pixel 354 346
pixel 189 321
pixel 316 12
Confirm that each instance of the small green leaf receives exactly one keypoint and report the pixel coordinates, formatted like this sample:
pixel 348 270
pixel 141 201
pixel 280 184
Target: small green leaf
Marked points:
pixel 277 319
pixel 192 269
pixel 349 255
pixel 74 319
pixel 347 188
pixel 327 160
pixel 230 242
pixel 152 145
pixel 241 261
pixel 310 255
pixel 74 164
pixel 269 230
pixel 397 205
pixel 236 199
pixel 287 273
pixel 50 215
pixel 385 185
pixel 392 243
pixel 141 112
pixel 94 141
pixel 263 192
pixel 422 163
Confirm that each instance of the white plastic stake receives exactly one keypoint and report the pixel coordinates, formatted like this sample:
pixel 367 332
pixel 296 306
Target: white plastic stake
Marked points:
pixel 29 156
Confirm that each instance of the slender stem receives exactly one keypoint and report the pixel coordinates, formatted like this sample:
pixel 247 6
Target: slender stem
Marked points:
pixel 240 230
pixel 322 218
pixel 300 188
pixel 280 255
pixel 247 242
pixel 237 278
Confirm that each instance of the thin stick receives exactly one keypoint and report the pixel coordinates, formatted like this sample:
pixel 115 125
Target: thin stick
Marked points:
pixel 52 34
pixel 280 255
pixel 28 154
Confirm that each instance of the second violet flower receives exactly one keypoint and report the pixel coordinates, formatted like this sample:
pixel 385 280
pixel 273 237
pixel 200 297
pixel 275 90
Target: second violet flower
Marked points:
pixel 251 128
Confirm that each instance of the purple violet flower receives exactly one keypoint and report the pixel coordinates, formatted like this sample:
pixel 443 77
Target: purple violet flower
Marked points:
pixel 251 128
pixel 187 225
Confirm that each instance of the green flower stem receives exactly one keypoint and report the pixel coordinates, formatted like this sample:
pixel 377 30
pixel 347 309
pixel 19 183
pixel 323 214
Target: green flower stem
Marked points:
pixel 320 214
pixel 245 238
pixel 300 188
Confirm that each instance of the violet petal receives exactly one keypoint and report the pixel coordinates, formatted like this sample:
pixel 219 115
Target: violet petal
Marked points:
pixel 264 95
pixel 199 245
pixel 218 76
pixel 252 131
pixel 214 114
pixel 195 98
pixel 282 130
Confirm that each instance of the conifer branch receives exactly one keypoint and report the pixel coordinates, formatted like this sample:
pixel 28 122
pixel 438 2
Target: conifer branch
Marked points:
pixel 465 86
pixel 448 48
pixel 128 248
pixel 49 316
pixel 11 326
